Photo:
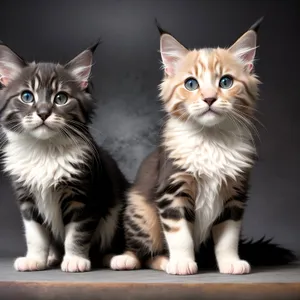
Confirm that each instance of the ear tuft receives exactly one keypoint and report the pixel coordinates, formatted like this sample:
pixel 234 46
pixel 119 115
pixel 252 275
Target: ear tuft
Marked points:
pixel 11 64
pixel 255 27
pixel 160 29
pixel 81 66
pixel 95 45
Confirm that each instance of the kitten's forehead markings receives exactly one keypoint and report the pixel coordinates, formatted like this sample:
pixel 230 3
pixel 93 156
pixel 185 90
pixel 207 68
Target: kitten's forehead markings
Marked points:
pixel 200 64
pixel 209 68
pixel 28 84
pixel 195 72
pixel 36 94
pixel 37 81
pixel 53 82
pixel 216 67
pixel 60 85
pixel 199 68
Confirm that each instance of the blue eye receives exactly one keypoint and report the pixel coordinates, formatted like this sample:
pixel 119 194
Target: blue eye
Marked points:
pixel 226 82
pixel 61 98
pixel 27 97
pixel 191 84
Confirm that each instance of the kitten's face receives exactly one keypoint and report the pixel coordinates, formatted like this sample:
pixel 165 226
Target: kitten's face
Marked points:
pixel 44 100
pixel 209 85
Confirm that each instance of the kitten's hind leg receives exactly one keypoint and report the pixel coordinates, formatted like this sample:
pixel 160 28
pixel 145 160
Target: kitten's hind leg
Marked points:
pixel 54 257
pixel 158 262
pixel 126 261
pixel 142 233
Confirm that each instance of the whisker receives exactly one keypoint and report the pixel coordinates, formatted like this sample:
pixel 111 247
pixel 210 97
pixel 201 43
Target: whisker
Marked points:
pixel 246 124
pixel 253 118
pixel 77 123
pixel 247 121
pixel 85 139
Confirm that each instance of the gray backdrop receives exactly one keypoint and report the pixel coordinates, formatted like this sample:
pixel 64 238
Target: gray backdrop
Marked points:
pixel 127 71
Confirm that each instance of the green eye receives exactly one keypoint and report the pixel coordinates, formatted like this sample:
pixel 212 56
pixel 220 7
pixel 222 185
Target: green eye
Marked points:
pixel 226 82
pixel 191 84
pixel 27 97
pixel 61 99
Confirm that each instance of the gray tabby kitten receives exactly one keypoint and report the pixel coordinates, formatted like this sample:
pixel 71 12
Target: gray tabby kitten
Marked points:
pixel 69 190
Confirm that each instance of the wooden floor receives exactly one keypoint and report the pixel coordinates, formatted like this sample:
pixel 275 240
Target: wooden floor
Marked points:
pixel 273 283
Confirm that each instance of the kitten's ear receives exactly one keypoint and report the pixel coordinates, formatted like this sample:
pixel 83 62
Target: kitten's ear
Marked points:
pixel 81 65
pixel 245 47
pixel 171 51
pixel 11 64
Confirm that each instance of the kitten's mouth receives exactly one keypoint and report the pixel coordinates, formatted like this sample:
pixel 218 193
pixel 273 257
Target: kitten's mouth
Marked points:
pixel 43 125
pixel 210 111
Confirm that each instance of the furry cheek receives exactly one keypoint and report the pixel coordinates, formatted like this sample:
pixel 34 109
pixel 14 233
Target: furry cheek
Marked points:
pixel 176 108
pixel 31 121
pixel 227 97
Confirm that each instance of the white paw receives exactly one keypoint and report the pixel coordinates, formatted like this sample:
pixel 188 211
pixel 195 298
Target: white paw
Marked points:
pixel 53 261
pixel 75 264
pixel 124 262
pixel 181 267
pixel 234 267
pixel 24 264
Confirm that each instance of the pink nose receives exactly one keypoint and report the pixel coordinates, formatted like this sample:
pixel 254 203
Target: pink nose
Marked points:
pixel 210 100
pixel 209 95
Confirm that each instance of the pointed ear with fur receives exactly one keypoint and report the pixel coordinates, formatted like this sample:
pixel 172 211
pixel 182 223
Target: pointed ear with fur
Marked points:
pixel 10 65
pixel 245 47
pixel 80 66
pixel 170 49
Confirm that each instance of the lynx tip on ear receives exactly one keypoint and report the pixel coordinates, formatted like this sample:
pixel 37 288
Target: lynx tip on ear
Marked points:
pixel 255 27
pixel 160 29
pixel 94 46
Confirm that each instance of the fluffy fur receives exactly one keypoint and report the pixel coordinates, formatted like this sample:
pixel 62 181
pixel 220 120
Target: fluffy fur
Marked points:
pixel 194 187
pixel 70 191
pixel 224 157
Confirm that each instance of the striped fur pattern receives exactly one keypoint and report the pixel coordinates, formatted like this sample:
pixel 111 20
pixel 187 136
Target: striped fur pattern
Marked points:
pixel 195 184
pixel 70 191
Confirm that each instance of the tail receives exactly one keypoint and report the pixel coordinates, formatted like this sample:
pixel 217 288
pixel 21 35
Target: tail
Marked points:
pixel 265 253
pixel 259 253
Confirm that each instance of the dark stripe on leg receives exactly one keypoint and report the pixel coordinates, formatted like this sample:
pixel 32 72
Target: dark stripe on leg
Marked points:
pixel 163 203
pixel 170 189
pixel 184 195
pixel 189 214
pixel 171 213
pixel 234 213
pixel 31 213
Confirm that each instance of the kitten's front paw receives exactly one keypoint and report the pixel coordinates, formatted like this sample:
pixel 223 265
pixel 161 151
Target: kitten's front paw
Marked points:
pixel 234 267
pixel 124 262
pixel 181 267
pixel 75 264
pixel 24 264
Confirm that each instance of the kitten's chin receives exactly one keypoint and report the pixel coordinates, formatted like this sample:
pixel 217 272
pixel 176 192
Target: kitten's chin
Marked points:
pixel 209 119
pixel 42 133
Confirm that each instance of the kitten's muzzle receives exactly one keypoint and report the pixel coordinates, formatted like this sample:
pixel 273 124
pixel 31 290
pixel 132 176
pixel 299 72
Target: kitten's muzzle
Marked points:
pixel 210 101
pixel 43 111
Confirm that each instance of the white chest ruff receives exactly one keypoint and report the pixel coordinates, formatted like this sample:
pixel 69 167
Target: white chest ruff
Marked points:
pixel 40 167
pixel 212 157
